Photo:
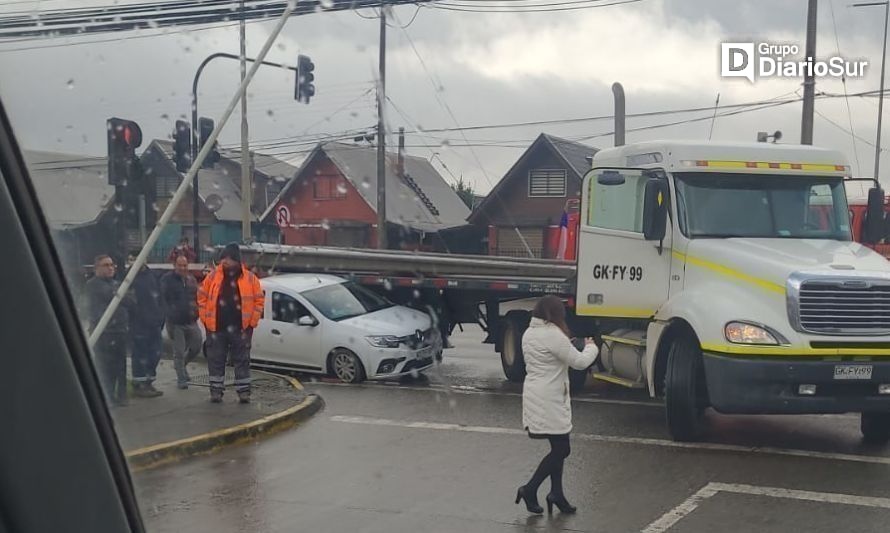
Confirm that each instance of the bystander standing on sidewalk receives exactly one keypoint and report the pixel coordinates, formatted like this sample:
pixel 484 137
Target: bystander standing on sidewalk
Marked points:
pixel 147 321
pixel 230 303
pixel 111 347
pixel 180 291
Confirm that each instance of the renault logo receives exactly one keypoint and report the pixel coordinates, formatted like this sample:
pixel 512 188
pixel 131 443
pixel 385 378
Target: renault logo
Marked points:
pixel 419 335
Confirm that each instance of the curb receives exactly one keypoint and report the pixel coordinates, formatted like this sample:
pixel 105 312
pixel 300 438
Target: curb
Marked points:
pixel 168 452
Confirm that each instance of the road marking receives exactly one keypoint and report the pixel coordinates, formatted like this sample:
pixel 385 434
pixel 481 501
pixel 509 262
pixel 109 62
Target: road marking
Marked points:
pixel 670 518
pixel 615 439
pixel 461 389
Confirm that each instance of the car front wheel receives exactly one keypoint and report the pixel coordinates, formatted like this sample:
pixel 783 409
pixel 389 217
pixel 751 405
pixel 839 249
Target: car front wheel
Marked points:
pixel 346 366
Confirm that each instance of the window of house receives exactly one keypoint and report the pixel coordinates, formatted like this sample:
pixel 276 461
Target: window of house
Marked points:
pixel 287 309
pixel 328 188
pixel 544 182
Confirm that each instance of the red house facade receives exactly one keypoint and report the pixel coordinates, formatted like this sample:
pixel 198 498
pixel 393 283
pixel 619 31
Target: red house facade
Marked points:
pixel 331 201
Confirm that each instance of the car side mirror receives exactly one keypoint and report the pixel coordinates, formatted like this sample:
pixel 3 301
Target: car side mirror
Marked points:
pixel 873 226
pixel 307 320
pixel 655 206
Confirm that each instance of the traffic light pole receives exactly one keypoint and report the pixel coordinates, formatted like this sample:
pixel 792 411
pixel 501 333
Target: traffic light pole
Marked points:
pixel 196 199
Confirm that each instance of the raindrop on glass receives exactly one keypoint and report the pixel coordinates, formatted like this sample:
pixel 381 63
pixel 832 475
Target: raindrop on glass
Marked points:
pixel 366 182
pixel 270 113
pixel 387 284
pixel 118 207
pixel 327 4
pixel 446 143
pixel 341 189
pixel 70 84
pixel 325 225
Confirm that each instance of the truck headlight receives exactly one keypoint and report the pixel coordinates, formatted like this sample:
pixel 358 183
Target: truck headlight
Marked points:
pixel 384 341
pixel 747 333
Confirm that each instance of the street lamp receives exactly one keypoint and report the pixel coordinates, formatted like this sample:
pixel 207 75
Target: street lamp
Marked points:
pixel 195 144
pixel 883 64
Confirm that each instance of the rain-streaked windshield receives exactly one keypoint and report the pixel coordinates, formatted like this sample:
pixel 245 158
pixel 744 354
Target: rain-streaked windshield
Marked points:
pixel 530 352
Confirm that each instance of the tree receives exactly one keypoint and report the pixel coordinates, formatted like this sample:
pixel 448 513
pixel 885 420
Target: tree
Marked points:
pixel 465 191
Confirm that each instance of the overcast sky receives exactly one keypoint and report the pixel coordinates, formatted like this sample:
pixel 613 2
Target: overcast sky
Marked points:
pixel 464 69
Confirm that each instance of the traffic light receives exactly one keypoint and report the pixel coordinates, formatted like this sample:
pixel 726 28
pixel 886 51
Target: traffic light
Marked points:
pixel 124 136
pixel 305 88
pixel 182 146
pixel 205 128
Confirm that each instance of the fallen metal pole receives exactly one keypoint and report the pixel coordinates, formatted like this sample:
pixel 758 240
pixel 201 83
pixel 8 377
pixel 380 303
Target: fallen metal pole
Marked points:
pixel 183 187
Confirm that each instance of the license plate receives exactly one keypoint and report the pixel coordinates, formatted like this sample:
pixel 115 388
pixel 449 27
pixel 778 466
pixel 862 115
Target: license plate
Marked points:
pixel 852 371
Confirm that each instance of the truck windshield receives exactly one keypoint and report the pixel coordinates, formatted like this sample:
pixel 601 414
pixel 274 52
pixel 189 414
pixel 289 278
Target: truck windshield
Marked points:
pixel 345 300
pixel 722 205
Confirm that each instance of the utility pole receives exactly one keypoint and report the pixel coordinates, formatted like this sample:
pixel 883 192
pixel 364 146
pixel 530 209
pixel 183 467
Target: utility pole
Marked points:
pixel 809 81
pixel 246 196
pixel 381 137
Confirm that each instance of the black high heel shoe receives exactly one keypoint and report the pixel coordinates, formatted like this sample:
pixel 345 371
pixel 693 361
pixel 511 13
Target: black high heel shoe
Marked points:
pixel 531 501
pixel 561 503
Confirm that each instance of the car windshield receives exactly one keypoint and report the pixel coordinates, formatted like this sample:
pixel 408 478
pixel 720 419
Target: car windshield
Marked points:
pixel 723 205
pixel 345 300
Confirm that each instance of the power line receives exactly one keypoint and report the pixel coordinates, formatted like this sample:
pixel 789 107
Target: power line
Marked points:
pixel 531 9
pixel 844 82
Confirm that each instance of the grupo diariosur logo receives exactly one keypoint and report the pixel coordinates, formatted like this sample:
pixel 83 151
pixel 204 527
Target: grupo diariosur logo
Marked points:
pixel 768 60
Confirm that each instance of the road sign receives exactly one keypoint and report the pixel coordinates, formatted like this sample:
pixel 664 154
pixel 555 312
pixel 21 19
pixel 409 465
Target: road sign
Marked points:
pixel 282 216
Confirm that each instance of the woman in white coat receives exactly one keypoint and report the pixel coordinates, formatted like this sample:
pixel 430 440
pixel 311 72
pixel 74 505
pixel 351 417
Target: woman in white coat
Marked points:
pixel 546 406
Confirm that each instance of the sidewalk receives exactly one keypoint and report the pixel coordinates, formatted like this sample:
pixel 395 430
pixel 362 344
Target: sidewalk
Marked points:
pixel 184 422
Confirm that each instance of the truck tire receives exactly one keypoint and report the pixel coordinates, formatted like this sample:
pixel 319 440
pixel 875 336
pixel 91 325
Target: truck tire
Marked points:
pixel 684 387
pixel 511 346
pixel 875 427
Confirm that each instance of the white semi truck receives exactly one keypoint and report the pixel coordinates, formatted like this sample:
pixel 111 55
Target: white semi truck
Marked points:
pixel 714 274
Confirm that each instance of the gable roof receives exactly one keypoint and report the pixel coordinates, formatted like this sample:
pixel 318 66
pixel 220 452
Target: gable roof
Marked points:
pixel 404 205
pixel 211 181
pixel 73 189
pixel 573 154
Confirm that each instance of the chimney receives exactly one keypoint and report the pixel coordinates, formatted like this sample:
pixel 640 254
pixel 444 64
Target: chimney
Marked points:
pixel 400 166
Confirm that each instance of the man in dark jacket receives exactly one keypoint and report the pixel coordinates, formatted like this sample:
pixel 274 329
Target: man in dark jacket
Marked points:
pixel 147 321
pixel 111 347
pixel 179 289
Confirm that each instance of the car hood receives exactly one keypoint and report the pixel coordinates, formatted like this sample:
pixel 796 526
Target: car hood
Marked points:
pixel 396 320
pixel 775 259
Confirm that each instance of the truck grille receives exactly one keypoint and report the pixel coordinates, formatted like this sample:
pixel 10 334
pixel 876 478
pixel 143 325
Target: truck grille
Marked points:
pixel 845 306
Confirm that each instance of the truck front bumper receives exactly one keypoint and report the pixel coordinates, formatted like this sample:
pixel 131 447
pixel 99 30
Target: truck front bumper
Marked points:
pixel 766 385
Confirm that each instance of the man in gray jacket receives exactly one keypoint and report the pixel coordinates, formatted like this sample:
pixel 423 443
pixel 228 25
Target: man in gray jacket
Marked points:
pixel 179 289
pixel 111 348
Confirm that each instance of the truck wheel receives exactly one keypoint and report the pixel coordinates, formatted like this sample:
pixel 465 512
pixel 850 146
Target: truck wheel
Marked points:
pixel 875 427
pixel 685 393
pixel 577 379
pixel 511 347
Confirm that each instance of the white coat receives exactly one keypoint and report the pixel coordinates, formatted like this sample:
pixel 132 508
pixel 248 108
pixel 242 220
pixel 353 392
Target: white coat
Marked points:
pixel 546 408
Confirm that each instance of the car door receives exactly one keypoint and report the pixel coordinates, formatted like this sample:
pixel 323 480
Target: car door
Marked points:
pixel 287 342
pixel 620 272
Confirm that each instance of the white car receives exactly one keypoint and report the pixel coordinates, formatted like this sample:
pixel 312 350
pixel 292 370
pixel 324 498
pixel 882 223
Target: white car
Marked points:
pixel 328 325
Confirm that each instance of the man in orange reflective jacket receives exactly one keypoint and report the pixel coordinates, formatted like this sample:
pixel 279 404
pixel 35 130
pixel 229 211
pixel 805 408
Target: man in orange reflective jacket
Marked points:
pixel 230 304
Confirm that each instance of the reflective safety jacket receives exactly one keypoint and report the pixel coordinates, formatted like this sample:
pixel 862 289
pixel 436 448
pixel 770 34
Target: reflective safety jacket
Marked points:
pixel 249 289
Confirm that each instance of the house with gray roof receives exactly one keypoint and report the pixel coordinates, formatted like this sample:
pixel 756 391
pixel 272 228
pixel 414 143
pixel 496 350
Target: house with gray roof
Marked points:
pixel 332 201
pixel 220 198
pixel 522 212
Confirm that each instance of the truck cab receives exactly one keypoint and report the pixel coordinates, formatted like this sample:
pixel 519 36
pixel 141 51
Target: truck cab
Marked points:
pixel 732 272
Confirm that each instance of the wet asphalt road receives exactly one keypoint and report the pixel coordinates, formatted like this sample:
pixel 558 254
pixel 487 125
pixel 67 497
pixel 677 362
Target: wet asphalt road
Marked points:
pixel 446 455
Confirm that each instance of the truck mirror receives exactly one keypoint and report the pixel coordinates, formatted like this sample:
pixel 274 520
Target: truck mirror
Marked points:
pixel 873 226
pixel 655 209
pixel 610 177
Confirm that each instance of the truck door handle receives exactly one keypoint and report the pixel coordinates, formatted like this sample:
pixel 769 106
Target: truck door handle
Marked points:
pixel 276 332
